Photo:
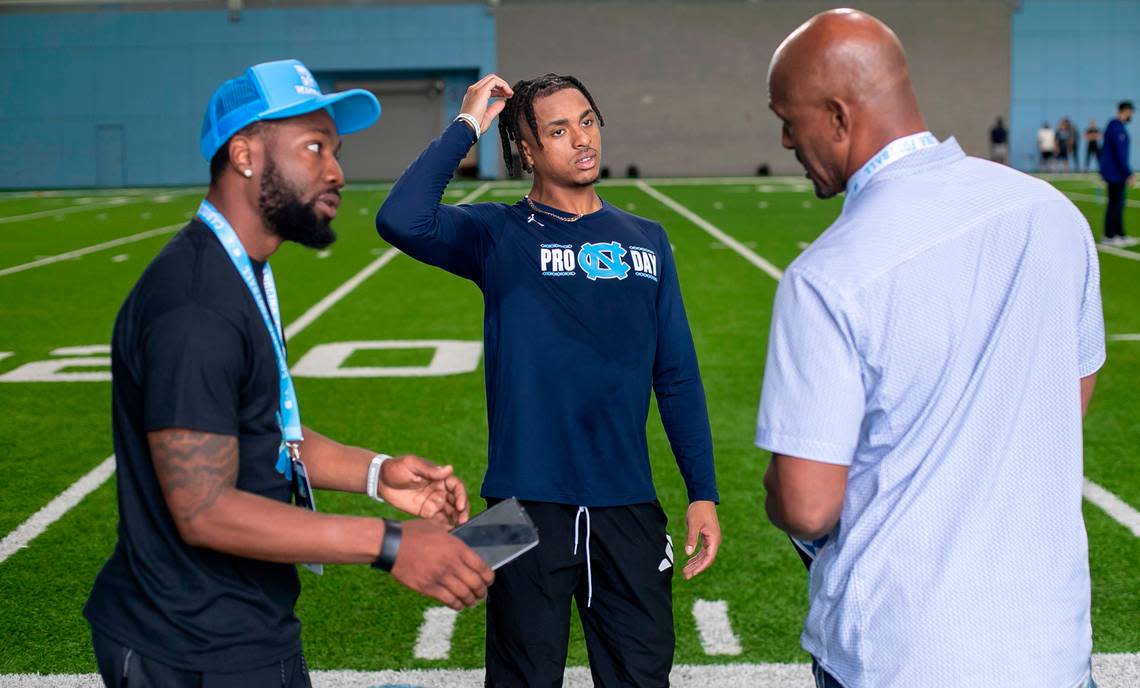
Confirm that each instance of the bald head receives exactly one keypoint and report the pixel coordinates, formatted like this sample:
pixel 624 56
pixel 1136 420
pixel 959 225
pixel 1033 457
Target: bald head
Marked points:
pixel 842 53
pixel 842 79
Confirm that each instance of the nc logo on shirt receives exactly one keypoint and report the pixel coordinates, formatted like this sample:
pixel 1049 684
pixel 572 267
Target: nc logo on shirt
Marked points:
pixel 603 261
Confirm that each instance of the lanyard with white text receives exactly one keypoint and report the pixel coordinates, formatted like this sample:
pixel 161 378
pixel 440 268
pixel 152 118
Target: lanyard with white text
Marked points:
pixel 892 152
pixel 288 414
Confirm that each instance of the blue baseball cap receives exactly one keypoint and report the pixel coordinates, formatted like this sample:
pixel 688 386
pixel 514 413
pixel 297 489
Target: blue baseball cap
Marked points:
pixel 276 90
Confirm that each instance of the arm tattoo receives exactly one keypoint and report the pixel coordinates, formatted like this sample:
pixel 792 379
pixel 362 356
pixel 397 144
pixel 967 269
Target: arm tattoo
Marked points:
pixel 193 468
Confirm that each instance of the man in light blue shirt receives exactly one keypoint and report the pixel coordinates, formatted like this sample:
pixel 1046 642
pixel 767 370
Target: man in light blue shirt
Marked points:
pixel 930 360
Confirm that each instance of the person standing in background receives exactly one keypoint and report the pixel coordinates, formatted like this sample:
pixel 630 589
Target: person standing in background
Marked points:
pixel 1046 147
pixel 1092 144
pixel 1064 143
pixel 999 142
pixel 1117 174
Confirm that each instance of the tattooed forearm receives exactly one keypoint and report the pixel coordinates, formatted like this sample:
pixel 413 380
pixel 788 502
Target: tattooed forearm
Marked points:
pixel 193 468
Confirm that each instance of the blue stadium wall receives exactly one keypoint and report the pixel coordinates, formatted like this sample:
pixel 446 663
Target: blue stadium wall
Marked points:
pixel 1075 59
pixel 76 87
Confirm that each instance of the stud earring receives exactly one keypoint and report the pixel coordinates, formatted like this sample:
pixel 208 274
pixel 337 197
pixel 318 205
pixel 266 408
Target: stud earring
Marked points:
pixel 247 173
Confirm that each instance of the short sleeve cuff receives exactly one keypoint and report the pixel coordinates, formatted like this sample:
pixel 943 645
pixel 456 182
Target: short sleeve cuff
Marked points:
pixel 801 448
pixel 1093 364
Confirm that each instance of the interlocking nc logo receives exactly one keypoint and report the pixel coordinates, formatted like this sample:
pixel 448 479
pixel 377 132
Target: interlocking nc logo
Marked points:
pixel 603 261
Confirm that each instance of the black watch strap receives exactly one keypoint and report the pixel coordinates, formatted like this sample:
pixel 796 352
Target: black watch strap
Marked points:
pixel 389 546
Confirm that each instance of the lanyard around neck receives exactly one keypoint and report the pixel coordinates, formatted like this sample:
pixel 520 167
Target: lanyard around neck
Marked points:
pixel 892 152
pixel 289 413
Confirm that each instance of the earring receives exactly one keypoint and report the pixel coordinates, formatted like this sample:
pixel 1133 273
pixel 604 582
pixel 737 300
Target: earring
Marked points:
pixel 247 173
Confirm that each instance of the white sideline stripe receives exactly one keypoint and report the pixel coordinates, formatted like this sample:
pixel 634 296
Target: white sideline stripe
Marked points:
pixel 127 191
pixel 715 629
pixel 339 293
pixel 479 191
pixel 68 209
pixel 55 509
pixel 434 639
pixel 1110 671
pixel 1119 510
pixel 1099 200
pixel 353 282
pixel 747 253
pixel 1117 251
pixel 1124 337
pixel 92 249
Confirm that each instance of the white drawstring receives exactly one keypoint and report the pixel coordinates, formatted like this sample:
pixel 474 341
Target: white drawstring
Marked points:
pixel 589 569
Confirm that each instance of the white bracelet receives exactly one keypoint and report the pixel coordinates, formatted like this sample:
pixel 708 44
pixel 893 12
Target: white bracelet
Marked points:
pixel 471 121
pixel 373 488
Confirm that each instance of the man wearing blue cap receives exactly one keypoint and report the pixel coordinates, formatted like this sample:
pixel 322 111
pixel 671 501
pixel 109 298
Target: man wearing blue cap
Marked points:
pixel 209 445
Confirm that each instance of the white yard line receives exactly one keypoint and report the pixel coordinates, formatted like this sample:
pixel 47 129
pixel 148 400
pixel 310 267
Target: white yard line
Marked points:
pixel 714 628
pixel 1118 252
pixel 745 252
pixel 1117 509
pixel 434 638
pixel 1124 337
pixel 92 249
pixel 56 508
pixel 120 201
pixel 320 307
pixel 1099 200
pixel 79 193
pixel 1110 671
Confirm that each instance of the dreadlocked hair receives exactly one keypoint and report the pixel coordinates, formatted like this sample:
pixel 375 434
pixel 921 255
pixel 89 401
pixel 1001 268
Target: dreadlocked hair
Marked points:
pixel 521 105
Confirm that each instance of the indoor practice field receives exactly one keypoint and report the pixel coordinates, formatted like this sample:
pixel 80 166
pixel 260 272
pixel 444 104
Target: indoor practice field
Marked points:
pixel 386 353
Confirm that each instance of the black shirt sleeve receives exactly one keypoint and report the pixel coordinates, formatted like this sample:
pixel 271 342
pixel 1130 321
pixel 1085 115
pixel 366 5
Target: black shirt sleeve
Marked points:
pixel 194 360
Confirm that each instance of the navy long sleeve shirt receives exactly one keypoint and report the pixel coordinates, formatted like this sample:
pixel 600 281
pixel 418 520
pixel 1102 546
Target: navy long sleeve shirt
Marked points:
pixel 581 320
pixel 1113 162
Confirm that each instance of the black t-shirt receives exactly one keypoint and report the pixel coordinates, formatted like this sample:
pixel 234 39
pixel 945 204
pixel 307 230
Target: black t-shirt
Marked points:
pixel 190 350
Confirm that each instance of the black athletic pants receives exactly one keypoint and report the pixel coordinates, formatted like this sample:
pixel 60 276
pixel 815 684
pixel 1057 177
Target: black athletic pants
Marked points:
pixel 627 612
pixel 122 667
pixel 1114 213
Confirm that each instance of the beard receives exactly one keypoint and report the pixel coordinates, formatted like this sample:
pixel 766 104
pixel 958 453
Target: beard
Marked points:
pixel 287 216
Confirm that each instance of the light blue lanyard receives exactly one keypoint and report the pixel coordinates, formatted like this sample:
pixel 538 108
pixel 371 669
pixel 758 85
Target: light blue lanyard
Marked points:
pixel 892 152
pixel 289 413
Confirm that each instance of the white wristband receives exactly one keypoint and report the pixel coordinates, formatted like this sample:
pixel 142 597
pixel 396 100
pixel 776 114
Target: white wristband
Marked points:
pixel 471 121
pixel 373 487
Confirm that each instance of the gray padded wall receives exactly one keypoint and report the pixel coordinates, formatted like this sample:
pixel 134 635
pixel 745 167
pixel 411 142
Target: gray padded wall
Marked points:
pixel 682 84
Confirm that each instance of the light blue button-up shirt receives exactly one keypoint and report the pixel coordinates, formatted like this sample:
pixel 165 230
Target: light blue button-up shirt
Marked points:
pixel 933 340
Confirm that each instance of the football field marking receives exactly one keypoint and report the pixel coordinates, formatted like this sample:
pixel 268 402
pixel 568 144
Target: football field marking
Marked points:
pixel 1110 671
pixel 1117 251
pixel 114 203
pixel 714 628
pixel 356 280
pixel 55 509
pixel 79 252
pixel 38 522
pixel 1124 337
pixel 745 252
pixel 1099 200
pixel 434 639
pixel 1117 509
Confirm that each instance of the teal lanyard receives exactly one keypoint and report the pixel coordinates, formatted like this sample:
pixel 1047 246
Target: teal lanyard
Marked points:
pixel 289 413
pixel 892 152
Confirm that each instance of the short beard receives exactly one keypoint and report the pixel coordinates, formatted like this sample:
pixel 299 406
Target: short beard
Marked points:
pixel 287 216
